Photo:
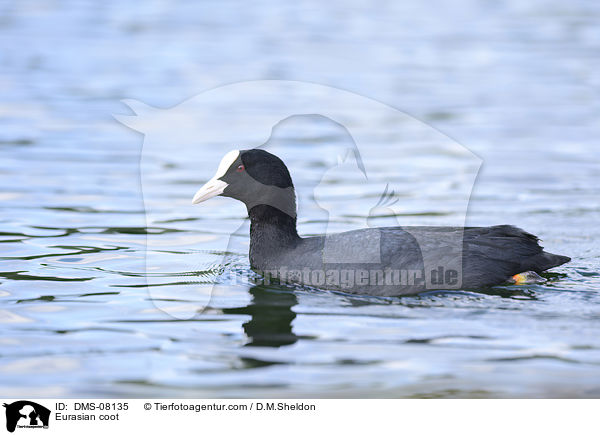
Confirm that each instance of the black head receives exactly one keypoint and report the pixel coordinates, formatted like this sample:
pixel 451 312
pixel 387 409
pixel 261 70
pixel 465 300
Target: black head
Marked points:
pixel 255 177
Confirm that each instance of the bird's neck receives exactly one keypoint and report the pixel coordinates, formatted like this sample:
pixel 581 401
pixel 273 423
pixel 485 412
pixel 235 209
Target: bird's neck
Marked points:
pixel 271 230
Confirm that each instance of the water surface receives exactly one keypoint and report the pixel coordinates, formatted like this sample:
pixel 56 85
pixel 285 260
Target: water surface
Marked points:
pixel 517 83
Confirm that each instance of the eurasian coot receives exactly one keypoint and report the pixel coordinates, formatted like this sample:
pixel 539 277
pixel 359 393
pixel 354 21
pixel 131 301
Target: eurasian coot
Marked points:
pixel 386 261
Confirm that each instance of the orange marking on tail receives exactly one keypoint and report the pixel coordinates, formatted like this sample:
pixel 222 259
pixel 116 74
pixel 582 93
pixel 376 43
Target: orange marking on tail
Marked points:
pixel 519 278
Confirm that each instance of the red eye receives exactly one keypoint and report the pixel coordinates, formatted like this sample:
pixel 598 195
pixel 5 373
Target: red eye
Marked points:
pixel 240 168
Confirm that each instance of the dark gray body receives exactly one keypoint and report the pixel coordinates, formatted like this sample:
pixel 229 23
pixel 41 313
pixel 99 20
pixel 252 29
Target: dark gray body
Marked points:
pixel 402 260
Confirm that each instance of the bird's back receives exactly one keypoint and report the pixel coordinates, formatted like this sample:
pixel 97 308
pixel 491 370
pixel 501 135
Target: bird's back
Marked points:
pixel 417 259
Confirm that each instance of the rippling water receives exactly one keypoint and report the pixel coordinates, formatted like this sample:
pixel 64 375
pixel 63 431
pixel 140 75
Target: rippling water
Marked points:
pixel 517 83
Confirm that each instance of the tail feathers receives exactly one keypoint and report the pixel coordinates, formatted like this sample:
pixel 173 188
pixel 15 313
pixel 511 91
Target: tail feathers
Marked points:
pixel 545 261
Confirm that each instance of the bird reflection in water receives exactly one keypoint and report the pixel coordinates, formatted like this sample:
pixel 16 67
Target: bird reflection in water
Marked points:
pixel 271 317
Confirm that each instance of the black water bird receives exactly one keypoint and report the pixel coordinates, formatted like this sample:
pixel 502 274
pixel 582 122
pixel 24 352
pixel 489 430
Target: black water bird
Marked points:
pixel 386 261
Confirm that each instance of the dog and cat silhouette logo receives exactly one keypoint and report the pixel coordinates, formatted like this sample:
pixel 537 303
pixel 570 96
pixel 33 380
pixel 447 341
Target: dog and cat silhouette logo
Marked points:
pixel 26 414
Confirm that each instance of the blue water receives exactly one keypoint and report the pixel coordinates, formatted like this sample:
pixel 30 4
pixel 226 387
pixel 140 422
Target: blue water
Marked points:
pixel 514 82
